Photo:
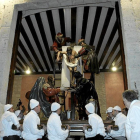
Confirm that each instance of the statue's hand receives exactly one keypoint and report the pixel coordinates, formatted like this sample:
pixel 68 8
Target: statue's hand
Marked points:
pixel 58 59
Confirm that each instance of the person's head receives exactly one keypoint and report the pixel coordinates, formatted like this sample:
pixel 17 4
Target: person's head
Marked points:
pixel 19 114
pixel 69 51
pixel 34 105
pixel 50 78
pixel 55 107
pixel 125 111
pixel 59 36
pixel 116 110
pixel 109 112
pixel 81 42
pixel 90 109
pixel 128 97
pixel 77 75
pixel 8 107
pixel 72 44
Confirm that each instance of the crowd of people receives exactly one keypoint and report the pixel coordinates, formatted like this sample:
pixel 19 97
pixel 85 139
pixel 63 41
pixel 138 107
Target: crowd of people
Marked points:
pixel 128 123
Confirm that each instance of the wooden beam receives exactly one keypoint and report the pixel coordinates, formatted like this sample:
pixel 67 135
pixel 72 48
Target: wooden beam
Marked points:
pixel 109 70
pixel 95 24
pixel 73 23
pixel 32 29
pixel 79 19
pixel 44 38
pixel 35 73
pixel 14 56
pixel 116 58
pixel 25 36
pixel 121 46
pixel 51 23
pixel 111 54
pixel 105 26
pixel 90 22
pixel 62 21
pixel 20 64
pixel 22 59
pixel 108 43
pixel 85 20
pixel 57 26
pixel 19 69
pixel 119 64
pixel 67 15
pixel 27 55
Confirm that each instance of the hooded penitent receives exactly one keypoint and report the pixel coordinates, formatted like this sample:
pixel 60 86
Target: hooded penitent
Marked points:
pixel 85 90
pixel 37 93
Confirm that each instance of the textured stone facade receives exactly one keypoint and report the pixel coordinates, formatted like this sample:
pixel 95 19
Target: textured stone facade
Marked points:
pixel 130 18
pixel 16 90
pixel 100 88
pixel 1 109
pixel 131 35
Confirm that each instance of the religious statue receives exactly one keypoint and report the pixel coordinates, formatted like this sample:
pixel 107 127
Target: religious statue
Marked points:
pixel 41 91
pixel 85 90
pixel 70 58
pixel 89 58
pixel 59 42
pixel 50 90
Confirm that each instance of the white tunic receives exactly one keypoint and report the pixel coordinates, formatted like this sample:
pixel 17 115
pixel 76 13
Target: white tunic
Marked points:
pixel 6 122
pixel 30 130
pixel 97 126
pixel 133 121
pixel 54 129
pixel 120 120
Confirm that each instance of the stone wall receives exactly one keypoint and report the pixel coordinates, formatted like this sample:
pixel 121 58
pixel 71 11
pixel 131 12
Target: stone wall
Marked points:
pixel 136 7
pixel 16 90
pixel 1 109
pixel 130 19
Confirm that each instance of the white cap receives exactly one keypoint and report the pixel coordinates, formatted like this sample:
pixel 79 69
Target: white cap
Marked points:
pixel 17 112
pixel 55 106
pixel 7 107
pixel 117 108
pixel 110 109
pixel 33 103
pixel 90 108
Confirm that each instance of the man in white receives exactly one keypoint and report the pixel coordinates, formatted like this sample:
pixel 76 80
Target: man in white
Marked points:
pixel 20 116
pixel 132 124
pixel 120 120
pixel 109 112
pixel 6 122
pixel 96 122
pixel 30 130
pixel 54 129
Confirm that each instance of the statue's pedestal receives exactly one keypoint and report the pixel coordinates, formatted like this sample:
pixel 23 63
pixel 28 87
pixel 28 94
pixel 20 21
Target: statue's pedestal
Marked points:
pixel 72 91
